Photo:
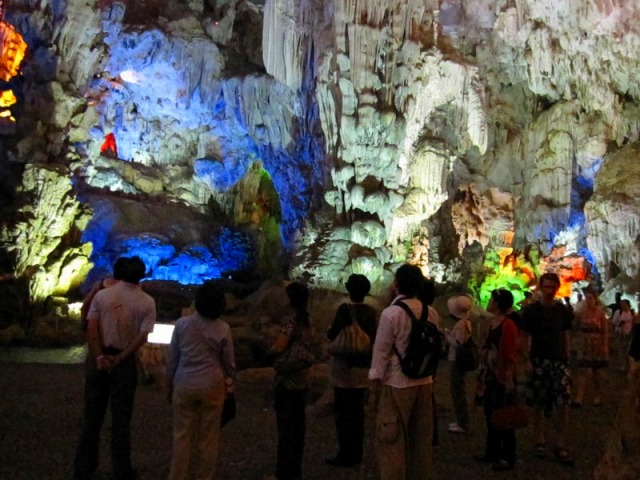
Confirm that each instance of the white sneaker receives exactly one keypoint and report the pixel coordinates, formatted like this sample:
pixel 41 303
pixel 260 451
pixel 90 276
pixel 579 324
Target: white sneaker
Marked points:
pixel 455 428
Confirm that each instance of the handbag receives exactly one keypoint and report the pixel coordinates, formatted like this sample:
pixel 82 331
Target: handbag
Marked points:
pixel 467 355
pixel 228 409
pixel 511 415
pixel 352 341
pixel 296 357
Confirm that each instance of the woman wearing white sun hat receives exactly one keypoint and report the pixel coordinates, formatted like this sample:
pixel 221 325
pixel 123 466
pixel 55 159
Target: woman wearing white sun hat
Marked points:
pixel 460 309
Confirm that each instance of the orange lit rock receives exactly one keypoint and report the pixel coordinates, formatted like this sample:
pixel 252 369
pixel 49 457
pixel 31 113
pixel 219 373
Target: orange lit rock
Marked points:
pixel 13 49
pixel 570 268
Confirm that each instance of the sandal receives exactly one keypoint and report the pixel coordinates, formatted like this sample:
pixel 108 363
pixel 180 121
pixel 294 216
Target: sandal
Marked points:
pixel 562 455
pixel 540 450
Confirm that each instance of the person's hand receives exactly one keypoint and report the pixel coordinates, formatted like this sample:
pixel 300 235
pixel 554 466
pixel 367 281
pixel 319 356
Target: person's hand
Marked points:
pixel 103 362
pixel 509 386
pixel 229 385
pixel 169 394
pixel 528 368
pixel 374 395
pixel 114 360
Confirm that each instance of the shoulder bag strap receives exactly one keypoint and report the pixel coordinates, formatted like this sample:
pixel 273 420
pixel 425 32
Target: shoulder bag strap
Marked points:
pixel 354 317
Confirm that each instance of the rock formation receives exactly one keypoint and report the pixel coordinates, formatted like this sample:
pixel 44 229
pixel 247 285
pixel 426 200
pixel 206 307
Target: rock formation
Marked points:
pixel 485 140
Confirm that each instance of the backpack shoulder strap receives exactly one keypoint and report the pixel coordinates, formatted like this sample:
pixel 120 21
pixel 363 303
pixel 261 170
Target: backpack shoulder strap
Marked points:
pixel 412 317
pixel 405 307
pixel 352 314
pixel 423 316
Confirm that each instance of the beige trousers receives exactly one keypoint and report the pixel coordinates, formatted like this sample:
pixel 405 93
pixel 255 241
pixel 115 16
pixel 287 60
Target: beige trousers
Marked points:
pixel 196 432
pixel 404 433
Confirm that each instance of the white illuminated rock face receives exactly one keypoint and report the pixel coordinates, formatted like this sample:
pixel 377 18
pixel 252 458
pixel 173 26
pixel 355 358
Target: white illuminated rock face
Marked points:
pixel 383 94
pixel 391 130
pixel 612 215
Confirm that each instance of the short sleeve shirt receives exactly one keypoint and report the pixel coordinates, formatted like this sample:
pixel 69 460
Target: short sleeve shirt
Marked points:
pixel 547 327
pixel 123 311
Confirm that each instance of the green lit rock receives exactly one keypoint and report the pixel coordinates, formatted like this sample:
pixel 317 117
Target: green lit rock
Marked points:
pixel 44 240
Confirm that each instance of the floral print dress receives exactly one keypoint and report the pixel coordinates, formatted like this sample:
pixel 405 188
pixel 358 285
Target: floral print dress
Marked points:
pixel 593 343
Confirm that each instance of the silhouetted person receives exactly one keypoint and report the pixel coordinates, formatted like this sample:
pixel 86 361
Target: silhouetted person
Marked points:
pixel 200 368
pixel 292 383
pixel 500 354
pixel 349 375
pixel 615 306
pixel 547 324
pixel 119 320
pixel 404 433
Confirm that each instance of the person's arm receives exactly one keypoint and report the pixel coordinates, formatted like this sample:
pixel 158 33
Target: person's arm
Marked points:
pixel 615 320
pixel 173 359
pixel 458 334
pixel 526 341
pixel 132 347
pixel 280 343
pixel 229 361
pixel 509 353
pixel 146 327
pixel 382 348
pixel 605 335
pixel 94 343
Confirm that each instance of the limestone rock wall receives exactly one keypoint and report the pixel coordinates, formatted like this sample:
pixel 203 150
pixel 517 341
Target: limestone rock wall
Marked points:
pixel 46 238
pixel 355 135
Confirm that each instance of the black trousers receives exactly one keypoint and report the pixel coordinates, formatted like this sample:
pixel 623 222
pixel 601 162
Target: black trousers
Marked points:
pixel 290 417
pixel 349 409
pixel 118 388
pixel 501 444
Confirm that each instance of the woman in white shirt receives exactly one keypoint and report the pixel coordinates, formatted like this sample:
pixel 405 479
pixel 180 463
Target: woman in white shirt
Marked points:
pixel 459 308
pixel 622 323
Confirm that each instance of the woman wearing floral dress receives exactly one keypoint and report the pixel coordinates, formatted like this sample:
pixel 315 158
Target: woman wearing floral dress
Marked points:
pixel 592 348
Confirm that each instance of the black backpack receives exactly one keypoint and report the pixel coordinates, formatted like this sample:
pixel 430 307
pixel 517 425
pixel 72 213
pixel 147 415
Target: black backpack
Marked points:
pixel 425 345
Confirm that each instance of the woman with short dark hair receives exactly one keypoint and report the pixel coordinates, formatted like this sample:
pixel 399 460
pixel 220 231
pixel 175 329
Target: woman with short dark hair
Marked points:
pixel 201 369
pixel 349 375
pixel 500 352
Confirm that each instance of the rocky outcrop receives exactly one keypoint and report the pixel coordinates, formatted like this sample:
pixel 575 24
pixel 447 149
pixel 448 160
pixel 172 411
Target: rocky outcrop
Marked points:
pixel 45 241
pixel 614 224
pixel 353 136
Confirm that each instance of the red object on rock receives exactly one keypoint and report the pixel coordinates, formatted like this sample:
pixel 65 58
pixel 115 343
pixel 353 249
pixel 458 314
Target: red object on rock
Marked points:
pixel 109 147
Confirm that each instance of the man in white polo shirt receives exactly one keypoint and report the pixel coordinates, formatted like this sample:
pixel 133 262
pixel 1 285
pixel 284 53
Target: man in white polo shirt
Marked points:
pixel 119 320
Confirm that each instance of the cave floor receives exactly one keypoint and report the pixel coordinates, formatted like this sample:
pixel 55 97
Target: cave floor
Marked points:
pixel 41 406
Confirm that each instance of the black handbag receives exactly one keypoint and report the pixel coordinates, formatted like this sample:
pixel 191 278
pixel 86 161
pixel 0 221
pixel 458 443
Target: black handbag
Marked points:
pixel 228 409
pixel 467 355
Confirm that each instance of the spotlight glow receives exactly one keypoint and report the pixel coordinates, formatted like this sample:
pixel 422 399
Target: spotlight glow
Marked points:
pixel 161 334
